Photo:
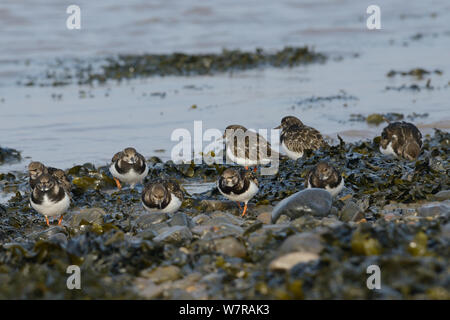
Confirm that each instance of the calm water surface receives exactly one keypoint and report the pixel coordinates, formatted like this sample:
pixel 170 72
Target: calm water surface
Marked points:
pixel 74 124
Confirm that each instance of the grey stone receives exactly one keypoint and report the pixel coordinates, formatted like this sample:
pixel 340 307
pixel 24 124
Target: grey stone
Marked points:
pixel 316 202
pixel 214 205
pixel 91 215
pixel 302 242
pixel 231 218
pixel 288 261
pixel 442 195
pixel 434 209
pixel 162 274
pixel 231 247
pixel 180 219
pixel 174 234
pixel 47 233
pixel 265 217
pixel 351 212
pixel 200 219
pixel 146 220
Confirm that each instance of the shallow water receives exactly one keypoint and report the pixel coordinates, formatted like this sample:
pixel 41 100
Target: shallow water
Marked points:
pixel 62 126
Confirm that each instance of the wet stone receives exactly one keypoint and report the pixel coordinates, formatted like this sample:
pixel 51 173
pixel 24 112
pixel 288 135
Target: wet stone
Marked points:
pixel 200 219
pixel 91 215
pixel 288 261
pixel 351 212
pixel 174 234
pixel 302 242
pixel 434 209
pixel 162 274
pixel 442 195
pixel 47 233
pixel 231 247
pixel 265 217
pixel 217 205
pixel 146 220
pixel 315 202
pixel 2 209
pixel 180 219
pixel 228 216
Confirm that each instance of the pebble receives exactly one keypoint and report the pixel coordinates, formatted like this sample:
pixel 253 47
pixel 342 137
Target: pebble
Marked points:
pixel 434 209
pixel 265 217
pixel 200 219
pixel 442 195
pixel 214 205
pixel 316 202
pixel 302 242
pixel 174 234
pixel 47 233
pixel 351 212
pixel 162 274
pixel 91 215
pixel 230 247
pixel 180 219
pixel 146 220
pixel 288 261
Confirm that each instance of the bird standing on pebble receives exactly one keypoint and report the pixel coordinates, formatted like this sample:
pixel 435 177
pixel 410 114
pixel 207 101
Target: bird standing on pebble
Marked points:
pixel 128 166
pixel 163 196
pixel 49 197
pixel 402 140
pixel 325 176
pixel 296 138
pixel 239 186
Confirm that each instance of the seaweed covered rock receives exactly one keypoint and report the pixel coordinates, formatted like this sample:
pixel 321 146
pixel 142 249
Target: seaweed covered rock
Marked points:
pixel 8 155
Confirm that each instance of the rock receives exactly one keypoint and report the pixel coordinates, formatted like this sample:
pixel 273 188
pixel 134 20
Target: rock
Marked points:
pixel 265 217
pixel 2 209
pixel 201 218
pixel 288 261
pixel 230 218
pixel 180 219
pixel 47 233
pixel 217 231
pixel 302 242
pixel 148 234
pixel 90 215
pixel 215 205
pixel 230 247
pixel 148 219
pixel 351 212
pixel 442 195
pixel 162 274
pixel 434 209
pixel 174 234
pixel 316 202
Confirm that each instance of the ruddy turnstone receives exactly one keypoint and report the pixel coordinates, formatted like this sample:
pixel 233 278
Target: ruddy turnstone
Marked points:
pixel 239 186
pixel 49 197
pixel 128 166
pixel 296 138
pixel 402 140
pixel 325 176
pixel 36 169
pixel 162 196
pixel 247 148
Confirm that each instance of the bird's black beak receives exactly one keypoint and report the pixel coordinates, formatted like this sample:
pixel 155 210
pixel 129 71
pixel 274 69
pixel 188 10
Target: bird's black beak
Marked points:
pixel 279 127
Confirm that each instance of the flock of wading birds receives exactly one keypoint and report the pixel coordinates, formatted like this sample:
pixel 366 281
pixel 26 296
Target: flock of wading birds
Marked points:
pixel 51 187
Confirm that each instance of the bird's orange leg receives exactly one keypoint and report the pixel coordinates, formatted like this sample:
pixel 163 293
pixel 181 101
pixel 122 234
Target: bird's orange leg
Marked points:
pixel 255 169
pixel 118 183
pixel 60 220
pixel 245 210
pixel 240 208
pixel 46 220
pixel 246 167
